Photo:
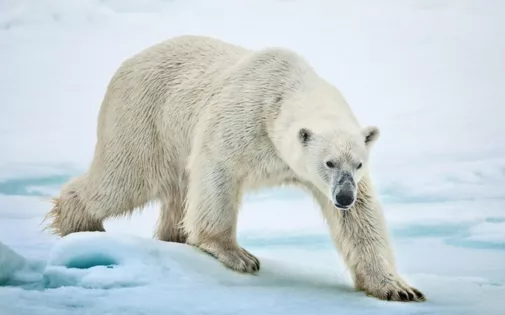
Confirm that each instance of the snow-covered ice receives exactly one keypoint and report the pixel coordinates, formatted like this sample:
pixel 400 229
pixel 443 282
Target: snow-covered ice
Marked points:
pixel 430 74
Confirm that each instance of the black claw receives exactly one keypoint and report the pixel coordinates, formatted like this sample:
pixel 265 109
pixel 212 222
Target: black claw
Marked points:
pixel 411 295
pixel 256 262
pixel 403 296
pixel 389 295
pixel 419 295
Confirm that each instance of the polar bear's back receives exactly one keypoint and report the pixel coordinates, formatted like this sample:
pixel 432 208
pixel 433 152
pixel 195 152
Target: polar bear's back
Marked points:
pixel 156 95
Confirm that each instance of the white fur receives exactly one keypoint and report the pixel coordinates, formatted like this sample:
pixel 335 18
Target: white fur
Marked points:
pixel 195 122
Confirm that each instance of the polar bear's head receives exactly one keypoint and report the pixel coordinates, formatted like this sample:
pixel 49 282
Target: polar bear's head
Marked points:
pixel 315 132
pixel 334 161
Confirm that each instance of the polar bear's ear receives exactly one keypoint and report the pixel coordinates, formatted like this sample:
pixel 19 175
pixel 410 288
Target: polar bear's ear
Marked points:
pixel 304 135
pixel 371 134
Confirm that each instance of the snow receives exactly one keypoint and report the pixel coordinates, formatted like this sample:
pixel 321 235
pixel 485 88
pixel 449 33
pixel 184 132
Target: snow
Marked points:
pixel 96 272
pixel 429 73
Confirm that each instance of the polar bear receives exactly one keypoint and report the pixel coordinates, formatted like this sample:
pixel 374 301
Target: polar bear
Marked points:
pixel 195 122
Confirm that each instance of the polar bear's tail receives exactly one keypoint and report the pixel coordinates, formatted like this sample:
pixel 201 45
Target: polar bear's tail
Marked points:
pixel 69 214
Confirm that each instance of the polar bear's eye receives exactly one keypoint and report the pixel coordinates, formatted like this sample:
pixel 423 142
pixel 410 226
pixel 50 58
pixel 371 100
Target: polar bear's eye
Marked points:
pixel 330 164
pixel 359 165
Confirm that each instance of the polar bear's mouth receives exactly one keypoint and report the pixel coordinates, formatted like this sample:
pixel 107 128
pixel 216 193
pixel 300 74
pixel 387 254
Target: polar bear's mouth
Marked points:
pixel 342 207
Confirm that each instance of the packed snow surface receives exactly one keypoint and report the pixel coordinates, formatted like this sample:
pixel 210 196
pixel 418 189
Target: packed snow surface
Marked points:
pixel 430 74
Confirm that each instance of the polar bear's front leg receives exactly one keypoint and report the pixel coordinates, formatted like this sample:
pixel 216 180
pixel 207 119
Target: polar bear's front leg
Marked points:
pixel 361 237
pixel 211 215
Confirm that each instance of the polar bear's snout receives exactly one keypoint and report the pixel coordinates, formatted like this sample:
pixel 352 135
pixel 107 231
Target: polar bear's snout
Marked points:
pixel 344 190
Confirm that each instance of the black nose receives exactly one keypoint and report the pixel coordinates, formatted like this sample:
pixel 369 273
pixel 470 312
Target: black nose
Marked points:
pixel 345 198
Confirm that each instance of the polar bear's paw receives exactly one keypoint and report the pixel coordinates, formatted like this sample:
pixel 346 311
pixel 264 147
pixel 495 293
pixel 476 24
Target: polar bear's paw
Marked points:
pixel 235 258
pixel 396 290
